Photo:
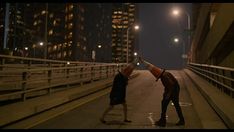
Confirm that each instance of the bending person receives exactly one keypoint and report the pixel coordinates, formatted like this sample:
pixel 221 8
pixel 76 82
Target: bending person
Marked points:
pixel 171 93
pixel 118 91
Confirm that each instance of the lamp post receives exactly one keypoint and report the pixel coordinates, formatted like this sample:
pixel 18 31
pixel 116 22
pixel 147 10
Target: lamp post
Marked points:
pixel 176 12
pixel 136 27
pixel 177 40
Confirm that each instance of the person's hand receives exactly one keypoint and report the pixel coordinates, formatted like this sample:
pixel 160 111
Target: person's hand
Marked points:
pixel 135 61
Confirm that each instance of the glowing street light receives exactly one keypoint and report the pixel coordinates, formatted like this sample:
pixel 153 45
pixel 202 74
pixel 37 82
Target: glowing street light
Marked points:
pixel 41 43
pixel 176 40
pixel 135 53
pixel 175 12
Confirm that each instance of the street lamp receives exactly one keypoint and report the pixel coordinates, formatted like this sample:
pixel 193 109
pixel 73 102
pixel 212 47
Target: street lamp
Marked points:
pixel 136 27
pixel 135 53
pixel 176 12
pixel 41 43
pixel 177 40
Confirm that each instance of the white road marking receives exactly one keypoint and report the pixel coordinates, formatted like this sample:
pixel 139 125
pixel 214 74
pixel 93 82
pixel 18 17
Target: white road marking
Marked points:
pixel 151 119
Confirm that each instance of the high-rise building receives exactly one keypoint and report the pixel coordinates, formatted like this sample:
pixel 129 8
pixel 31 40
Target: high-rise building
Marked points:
pixel 124 16
pixel 16 35
pixel 60 29
pixel 2 18
pixel 98 31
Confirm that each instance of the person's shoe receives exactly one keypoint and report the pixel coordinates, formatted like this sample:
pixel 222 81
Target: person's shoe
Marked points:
pixel 161 122
pixel 180 123
pixel 128 121
pixel 102 120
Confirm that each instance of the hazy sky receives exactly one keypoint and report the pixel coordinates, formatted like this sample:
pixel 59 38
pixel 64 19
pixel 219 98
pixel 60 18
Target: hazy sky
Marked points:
pixel 158 27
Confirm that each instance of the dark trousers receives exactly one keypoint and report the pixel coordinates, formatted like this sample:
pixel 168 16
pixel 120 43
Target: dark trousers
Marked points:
pixel 175 99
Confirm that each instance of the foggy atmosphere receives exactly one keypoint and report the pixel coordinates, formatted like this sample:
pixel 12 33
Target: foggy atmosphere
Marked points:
pixel 116 65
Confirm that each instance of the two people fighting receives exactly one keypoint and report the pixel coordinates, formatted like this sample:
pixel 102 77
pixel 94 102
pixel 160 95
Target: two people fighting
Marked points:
pixel 171 91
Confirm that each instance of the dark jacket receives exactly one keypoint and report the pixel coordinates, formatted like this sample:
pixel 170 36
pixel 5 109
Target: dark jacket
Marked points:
pixel 171 85
pixel 118 92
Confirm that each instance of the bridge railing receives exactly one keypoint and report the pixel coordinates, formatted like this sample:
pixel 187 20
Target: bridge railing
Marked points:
pixel 35 77
pixel 220 77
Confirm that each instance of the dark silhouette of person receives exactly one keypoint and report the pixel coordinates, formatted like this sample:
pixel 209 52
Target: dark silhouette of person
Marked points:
pixel 171 93
pixel 118 91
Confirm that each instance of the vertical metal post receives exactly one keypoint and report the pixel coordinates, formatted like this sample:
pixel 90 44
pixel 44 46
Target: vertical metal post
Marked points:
pixel 107 71
pixel 2 63
pixel 81 75
pixel 49 77
pixel 24 79
pixel 92 74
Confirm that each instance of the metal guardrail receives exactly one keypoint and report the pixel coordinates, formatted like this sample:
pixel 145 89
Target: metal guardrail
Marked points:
pixel 35 77
pixel 220 77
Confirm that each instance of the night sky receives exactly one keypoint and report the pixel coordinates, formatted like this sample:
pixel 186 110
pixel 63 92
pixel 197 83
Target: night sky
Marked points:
pixel 158 27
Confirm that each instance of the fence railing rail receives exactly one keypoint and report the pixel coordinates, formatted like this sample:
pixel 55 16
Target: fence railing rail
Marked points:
pixel 34 77
pixel 220 77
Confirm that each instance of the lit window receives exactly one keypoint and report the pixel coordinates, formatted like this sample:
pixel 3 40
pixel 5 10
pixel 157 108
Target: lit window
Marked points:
pixel 70 7
pixel 43 12
pixel 54 22
pixel 55 47
pixel 51 32
pixel 70 16
pixel 64 53
pixel 70 25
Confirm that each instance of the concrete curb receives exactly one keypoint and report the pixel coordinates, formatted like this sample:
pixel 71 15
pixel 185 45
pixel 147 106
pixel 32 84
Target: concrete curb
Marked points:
pixel 219 102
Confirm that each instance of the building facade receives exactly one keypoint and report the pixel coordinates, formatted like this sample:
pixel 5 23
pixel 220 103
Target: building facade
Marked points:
pixel 124 17
pixel 71 31
pixel 212 40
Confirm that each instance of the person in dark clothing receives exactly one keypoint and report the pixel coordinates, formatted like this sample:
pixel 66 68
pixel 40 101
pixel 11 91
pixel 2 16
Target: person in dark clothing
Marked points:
pixel 171 93
pixel 118 91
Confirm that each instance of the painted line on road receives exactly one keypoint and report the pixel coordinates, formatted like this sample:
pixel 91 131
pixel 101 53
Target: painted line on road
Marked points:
pixel 151 119
pixel 38 119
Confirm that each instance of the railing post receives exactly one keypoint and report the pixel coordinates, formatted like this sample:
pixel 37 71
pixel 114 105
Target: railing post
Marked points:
pixel 92 74
pixel 76 70
pixel 49 77
pixel 2 63
pixel 67 75
pixel 100 72
pixel 107 71
pixel 24 79
pixel 81 75
pixel 29 67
